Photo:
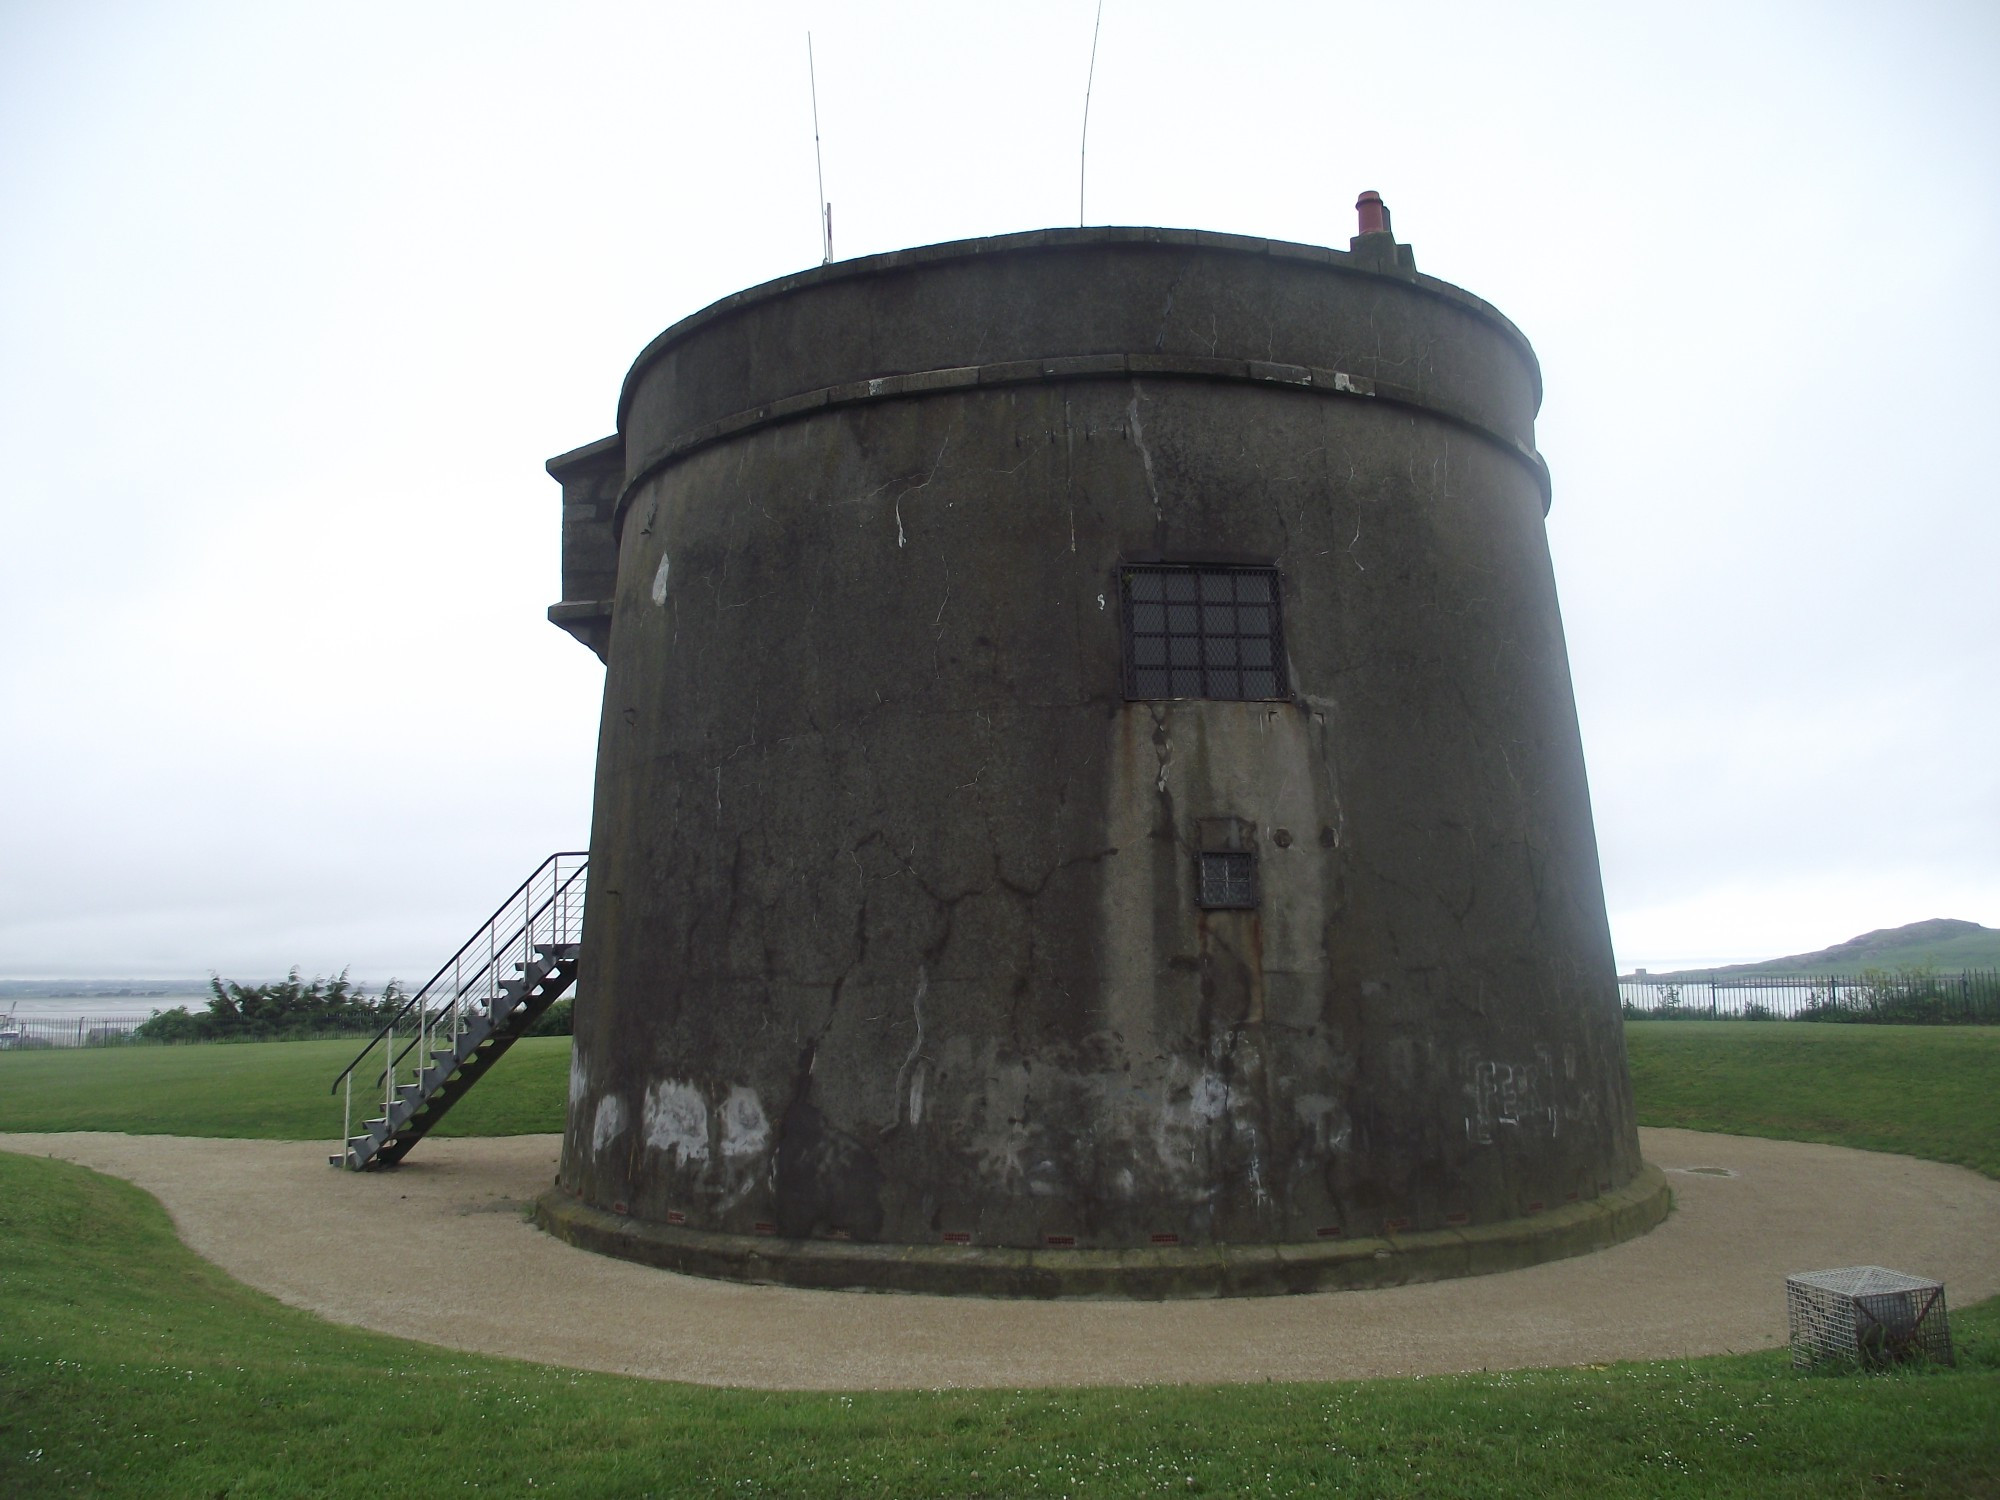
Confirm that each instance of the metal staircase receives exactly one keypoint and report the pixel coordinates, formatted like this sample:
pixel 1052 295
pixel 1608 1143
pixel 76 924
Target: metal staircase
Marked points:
pixel 486 997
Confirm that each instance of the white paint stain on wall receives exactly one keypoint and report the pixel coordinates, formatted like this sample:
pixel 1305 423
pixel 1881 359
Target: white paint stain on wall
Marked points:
pixel 609 1124
pixel 916 1047
pixel 746 1131
pixel 994 1118
pixel 1509 1095
pixel 660 582
pixel 1145 453
pixel 1321 1114
pixel 579 1079
pixel 676 1121
pixel 1183 1125
pixel 1209 1097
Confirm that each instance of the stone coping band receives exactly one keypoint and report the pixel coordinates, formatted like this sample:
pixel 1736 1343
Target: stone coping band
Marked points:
pixel 1032 241
pixel 1080 367
pixel 1146 1274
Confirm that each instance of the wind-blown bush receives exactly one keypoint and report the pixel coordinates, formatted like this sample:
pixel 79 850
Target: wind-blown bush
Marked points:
pixel 557 1020
pixel 266 1012
pixel 1912 996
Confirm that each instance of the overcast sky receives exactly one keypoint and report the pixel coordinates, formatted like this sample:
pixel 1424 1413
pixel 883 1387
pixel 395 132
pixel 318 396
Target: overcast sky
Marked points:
pixel 296 300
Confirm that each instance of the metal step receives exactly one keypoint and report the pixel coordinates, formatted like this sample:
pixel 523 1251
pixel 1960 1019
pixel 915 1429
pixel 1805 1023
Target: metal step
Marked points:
pixel 463 1036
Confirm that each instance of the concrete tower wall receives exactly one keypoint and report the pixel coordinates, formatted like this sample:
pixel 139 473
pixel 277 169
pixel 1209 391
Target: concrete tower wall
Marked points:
pixel 894 937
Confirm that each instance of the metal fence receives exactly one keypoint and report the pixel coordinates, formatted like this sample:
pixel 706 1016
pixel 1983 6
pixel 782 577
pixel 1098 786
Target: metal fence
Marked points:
pixel 1918 997
pixel 34 1032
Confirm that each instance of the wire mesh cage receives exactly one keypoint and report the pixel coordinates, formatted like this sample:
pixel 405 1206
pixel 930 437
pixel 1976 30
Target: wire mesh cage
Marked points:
pixel 1866 1316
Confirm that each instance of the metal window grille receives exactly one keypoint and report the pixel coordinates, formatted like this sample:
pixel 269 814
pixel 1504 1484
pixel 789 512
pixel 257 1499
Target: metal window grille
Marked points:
pixel 1865 1315
pixel 1226 882
pixel 1202 632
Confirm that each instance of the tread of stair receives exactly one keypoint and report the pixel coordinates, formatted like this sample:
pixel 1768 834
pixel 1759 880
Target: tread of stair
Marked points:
pixel 475 1030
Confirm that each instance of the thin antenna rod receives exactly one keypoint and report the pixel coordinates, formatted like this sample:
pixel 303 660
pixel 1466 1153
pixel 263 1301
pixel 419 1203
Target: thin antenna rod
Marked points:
pixel 826 208
pixel 1083 151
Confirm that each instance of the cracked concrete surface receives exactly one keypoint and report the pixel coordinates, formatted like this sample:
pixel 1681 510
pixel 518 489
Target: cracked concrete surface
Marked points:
pixel 896 744
pixel 476 1276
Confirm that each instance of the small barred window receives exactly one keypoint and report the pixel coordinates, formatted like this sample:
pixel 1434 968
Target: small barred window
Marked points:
pixel 1202 632
pixel 1227 881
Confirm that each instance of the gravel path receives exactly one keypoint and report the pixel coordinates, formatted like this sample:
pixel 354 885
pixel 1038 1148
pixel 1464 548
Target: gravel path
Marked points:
pixel 471 1273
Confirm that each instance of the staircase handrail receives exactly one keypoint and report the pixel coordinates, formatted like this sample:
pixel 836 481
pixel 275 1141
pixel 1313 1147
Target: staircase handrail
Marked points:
pixel 450 965
pixel 482 977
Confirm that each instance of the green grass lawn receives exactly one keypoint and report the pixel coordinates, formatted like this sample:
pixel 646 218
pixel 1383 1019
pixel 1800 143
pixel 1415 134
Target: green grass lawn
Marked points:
pixel 131 1367
pixel 1930 1091
pixel 128 1366
pixel 255 1090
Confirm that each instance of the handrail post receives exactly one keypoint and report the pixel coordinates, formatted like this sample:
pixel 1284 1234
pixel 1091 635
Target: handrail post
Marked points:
pixel 389 1081
pixel 347 1118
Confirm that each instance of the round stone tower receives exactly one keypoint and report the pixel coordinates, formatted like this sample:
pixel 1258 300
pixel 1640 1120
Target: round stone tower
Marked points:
pixel 1089 798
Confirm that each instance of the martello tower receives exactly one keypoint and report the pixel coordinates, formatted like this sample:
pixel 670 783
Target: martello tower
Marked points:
pixel 1089 798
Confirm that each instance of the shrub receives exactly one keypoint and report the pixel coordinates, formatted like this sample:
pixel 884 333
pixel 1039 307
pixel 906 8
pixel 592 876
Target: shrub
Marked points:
pixel 265 1012
pixel 557 1020
pixel 1912 996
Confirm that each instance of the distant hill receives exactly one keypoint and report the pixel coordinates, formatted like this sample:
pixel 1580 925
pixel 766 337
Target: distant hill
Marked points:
pixel 1945 942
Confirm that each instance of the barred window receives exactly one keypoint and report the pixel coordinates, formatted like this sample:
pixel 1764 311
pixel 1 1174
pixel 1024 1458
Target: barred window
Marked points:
pixel 1202 632
pixel 1225 881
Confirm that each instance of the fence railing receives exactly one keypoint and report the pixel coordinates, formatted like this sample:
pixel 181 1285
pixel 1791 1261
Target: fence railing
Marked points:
pixel 1921 997
pixel 547 908
pixel 34 1032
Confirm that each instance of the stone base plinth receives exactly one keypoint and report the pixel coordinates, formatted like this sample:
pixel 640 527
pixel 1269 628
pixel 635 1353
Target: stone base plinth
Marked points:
pixel 1152 1273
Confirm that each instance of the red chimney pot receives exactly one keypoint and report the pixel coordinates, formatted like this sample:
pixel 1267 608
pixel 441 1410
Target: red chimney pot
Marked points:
pixel 1374 214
